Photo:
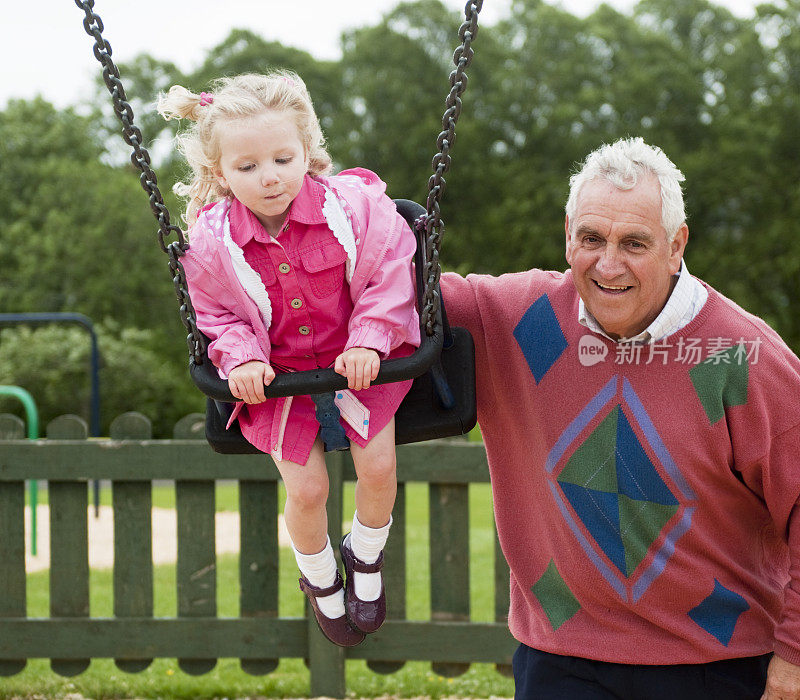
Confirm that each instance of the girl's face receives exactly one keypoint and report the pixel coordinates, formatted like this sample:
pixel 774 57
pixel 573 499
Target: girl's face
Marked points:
pixel 262 163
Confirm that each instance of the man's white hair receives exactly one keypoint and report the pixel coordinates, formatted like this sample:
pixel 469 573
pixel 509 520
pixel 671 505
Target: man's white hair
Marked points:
pixel 622 163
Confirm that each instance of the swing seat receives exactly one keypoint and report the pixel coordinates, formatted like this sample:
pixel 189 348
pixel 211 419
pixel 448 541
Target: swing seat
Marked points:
pixel 440 403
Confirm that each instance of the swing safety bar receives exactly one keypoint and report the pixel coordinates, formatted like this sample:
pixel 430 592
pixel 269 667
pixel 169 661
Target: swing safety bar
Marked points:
pixel 317 381
pixel 207 379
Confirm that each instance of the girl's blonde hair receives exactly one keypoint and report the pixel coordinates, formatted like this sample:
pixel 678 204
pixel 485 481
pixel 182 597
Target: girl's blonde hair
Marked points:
pixel 236 98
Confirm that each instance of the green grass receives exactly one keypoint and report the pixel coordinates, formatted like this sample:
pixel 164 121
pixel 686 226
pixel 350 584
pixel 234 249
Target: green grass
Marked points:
pixel 163 679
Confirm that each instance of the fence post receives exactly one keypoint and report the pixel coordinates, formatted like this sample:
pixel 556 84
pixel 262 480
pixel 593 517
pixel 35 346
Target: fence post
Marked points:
pixel 133 537
pixel 12 542
pixel 190 427
pixel 197 559
pixel 69 543
pixel 11 427
pixel 196 568
pixel 449 554
pixel 258 558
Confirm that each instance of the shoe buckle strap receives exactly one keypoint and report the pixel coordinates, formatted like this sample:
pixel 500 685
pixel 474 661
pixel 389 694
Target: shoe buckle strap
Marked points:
pixel 361 567
pixel 312 590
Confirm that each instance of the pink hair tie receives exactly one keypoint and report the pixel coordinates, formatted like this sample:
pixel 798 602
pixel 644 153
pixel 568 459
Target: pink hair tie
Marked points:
pixel 206 98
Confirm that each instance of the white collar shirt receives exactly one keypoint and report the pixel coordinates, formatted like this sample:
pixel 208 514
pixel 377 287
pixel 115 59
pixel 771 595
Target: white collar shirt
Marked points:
pixel 685 302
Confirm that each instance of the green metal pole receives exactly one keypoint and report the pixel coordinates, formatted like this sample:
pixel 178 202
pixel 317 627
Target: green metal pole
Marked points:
pixel 33 433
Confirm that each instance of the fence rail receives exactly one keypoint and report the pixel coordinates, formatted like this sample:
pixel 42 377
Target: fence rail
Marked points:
pixel 68 461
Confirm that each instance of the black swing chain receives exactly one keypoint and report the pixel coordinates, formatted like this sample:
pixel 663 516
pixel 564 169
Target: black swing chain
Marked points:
pixel 141 160
pixel 432 221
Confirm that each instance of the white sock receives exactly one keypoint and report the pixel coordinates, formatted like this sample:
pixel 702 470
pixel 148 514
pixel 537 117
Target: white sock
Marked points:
pixel 320 571
pixel 367 544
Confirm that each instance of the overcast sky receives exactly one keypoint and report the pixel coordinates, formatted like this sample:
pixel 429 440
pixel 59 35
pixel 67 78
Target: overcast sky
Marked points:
pixel 44 49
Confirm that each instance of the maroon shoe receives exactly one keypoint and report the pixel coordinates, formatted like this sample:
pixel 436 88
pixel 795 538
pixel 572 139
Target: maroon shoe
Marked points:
pixel 338 630
pixel 365 615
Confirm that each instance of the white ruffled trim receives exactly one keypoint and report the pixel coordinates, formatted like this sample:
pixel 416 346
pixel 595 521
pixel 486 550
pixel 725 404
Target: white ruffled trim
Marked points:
pixel 339 223
pixel 249 278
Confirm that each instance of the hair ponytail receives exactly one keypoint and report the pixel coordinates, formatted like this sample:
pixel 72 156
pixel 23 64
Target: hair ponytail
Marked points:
pixel 180 103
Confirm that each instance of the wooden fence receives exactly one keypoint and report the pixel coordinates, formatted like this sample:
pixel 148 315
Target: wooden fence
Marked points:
pixel 131 461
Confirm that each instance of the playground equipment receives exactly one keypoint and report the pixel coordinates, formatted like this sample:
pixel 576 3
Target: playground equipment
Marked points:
pixel 432 408
pixel 42 318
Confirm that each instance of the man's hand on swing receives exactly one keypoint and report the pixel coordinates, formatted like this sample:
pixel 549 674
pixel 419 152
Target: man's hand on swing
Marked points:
pixel 247 381
pixel 359 365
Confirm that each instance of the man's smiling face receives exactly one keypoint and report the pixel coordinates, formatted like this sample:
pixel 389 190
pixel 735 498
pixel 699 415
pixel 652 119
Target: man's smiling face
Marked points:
pixel 621 261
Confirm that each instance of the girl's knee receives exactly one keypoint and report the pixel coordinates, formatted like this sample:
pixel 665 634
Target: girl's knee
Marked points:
pixel 379 469
pixel 309 493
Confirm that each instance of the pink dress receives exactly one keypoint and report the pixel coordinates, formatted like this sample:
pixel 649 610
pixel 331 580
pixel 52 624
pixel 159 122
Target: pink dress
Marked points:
pixel 303 270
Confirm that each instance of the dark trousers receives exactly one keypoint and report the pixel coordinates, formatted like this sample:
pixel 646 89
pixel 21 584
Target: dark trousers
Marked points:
pixel 542 676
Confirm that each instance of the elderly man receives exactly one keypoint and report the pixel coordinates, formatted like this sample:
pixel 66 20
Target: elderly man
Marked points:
pixel 643 436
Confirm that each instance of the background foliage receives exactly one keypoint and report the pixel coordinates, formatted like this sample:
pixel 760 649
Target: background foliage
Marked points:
pixel 720 94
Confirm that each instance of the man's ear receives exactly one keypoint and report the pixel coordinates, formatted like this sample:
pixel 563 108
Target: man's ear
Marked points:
pixel 677 247
pixel 568 242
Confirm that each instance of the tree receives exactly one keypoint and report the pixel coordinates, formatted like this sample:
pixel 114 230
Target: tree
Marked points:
pixel 75 224
pixel 79 237
pixel 395 80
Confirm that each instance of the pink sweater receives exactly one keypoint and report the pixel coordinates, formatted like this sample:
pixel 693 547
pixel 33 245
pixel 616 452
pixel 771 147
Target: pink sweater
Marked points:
pixel 644 494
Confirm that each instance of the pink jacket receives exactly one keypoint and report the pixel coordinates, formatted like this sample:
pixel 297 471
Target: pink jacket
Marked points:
pixel 232 305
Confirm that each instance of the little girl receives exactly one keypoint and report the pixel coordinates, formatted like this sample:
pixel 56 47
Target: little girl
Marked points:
pixel 290 269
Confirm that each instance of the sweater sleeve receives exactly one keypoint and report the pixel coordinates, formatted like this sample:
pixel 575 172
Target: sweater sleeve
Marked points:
pixel 461 303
